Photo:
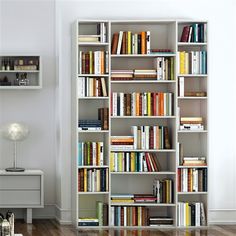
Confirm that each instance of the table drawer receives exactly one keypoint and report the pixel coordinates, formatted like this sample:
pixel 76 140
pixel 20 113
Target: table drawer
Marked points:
pixel 16 197
pixel 19 182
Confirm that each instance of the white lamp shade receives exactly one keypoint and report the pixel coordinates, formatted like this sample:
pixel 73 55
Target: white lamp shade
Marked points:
pixel 15 131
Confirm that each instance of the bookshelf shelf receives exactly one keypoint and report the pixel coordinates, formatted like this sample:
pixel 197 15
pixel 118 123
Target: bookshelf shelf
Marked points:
pixel 93 131
pixel 93 75
pixel 93 193
pixel 143 81
pixel 193 98
pixel 92 44
pixel 192 193
pixel 143 117
pixel 191 131
pixel 139 64
pixel 192 167
pixel 89 167
pixel 192 75
pixel 93 98
pixel 143 150
pixel 144 173
pixel 145 204
pixel 191 44
pixel 143 55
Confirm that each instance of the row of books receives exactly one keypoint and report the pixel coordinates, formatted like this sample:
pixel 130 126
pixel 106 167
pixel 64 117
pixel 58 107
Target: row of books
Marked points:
pixel 196 33
pixel 194 62
pixel 182 93
pixel 100 36
pixel 101 124
pixel 192 180
pixel 191 214
pixel 93 62
pixel 92 87
pixel 142 104
pixel 90 153
pixel 134 162
pixel 93 180
pixel 126 42
pixel 163 190
pixel 151 137
pixel 129 216
pixel 191 123
pixel 165 68
pixel 101 216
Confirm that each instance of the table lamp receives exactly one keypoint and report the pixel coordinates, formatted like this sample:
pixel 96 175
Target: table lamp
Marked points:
pixel 15 132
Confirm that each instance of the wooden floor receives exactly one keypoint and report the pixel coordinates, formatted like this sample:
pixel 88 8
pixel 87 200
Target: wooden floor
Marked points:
pixel 52 228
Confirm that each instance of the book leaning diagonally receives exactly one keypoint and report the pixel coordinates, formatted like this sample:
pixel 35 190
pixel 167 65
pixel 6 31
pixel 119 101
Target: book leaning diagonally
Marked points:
pixel 119 42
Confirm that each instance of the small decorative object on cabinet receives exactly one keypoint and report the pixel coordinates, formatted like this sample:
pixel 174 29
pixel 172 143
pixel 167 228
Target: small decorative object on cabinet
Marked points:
pixel 141 161
pixel 15 132
pixel 20 72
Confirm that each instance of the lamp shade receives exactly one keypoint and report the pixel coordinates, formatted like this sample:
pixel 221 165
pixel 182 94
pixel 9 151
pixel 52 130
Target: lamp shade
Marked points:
pixel 15 131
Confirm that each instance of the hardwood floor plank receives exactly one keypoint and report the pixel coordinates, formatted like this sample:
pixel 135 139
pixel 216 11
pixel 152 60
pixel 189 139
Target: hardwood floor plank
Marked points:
pixel 52 228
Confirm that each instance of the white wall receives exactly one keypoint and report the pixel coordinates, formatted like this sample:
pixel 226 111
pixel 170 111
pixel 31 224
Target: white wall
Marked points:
pixel 30 27
pixel 27 27
pixel 222 84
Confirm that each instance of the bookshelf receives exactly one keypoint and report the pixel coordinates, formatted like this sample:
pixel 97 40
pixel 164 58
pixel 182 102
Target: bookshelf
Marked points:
pixel 20 72
pixel 138 87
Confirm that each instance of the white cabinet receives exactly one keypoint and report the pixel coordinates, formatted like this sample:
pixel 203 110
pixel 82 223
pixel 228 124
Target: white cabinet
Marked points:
pixel 22 190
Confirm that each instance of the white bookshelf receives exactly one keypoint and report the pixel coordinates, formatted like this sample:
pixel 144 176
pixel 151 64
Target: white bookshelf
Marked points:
pixel 165 34
pixel 9 71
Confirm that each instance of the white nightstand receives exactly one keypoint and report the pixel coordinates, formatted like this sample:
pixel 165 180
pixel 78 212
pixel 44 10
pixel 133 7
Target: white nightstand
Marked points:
pixel 22 190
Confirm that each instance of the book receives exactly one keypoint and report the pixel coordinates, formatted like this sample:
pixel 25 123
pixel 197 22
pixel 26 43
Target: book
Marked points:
pixel 185 34
pixel 114 43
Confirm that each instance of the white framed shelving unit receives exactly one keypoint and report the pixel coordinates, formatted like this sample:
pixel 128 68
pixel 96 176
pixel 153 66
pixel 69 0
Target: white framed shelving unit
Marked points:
pixel 165 34
pixel 21 66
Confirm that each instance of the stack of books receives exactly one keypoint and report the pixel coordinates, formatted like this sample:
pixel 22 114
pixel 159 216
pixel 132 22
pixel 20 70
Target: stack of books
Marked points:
pixel 191 123
pixel 122 142
pixel 194 161
pixel 145 74
pixel 90 125
pixel 122 74
pixel 88 222
pixel 144 198
pixel 161 221
pixel 122 198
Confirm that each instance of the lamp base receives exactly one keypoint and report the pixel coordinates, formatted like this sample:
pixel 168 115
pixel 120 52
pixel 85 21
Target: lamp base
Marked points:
pixel 15 169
